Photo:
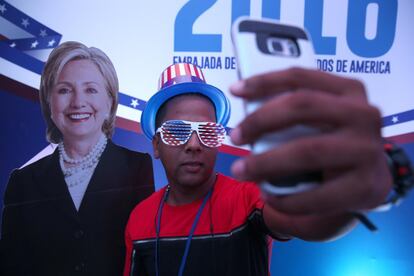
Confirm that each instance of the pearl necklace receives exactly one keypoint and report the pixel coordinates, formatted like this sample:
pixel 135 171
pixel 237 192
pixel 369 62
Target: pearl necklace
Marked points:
pixel 84 159
pixel 83 166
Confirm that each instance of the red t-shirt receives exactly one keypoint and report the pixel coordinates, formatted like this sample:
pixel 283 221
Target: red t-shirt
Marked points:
pixel 230 238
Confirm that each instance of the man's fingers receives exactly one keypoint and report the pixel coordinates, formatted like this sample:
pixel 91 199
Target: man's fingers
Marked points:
pixel 312 154
pixel 305 108
pixel 344 193
pixel 274 83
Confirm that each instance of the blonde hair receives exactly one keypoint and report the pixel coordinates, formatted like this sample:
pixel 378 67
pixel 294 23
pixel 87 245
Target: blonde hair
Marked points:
pixel 61 56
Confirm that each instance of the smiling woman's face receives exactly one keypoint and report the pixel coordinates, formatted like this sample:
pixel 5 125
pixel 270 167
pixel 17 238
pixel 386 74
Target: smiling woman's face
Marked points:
pixel 79 102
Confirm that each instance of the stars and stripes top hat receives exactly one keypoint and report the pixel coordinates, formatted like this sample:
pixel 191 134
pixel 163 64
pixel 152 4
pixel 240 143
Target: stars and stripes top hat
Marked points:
pixel 179 79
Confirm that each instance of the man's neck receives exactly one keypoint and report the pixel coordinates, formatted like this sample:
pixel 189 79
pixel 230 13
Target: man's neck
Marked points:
pixel 181 195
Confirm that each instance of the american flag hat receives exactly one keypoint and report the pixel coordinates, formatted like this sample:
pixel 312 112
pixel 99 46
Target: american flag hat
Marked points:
pixel 178 79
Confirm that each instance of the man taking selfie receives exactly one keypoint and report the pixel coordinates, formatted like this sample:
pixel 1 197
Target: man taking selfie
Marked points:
pixel 205 223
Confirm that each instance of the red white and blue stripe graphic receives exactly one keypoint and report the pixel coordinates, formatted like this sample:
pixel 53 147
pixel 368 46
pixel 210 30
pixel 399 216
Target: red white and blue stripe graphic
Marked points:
pixel 179 73
pixel 39 37
pixel 178 132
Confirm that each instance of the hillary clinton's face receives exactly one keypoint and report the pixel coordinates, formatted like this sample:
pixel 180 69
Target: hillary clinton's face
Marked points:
pixel 79 101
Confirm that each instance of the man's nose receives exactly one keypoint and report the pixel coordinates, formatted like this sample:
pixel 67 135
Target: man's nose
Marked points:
pixel 194 143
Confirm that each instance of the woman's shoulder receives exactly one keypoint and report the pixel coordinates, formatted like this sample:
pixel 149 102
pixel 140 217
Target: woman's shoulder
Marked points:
pixel 149 204
pixel 21 179
pixel 118 148
pixel 39 165
pixel 129 164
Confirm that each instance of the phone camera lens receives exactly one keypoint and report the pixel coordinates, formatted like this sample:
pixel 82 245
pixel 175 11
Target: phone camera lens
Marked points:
pixel 282 46
pixel 277 46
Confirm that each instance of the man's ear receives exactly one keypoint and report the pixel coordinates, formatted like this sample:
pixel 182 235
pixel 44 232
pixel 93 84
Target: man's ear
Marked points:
pixel 155 145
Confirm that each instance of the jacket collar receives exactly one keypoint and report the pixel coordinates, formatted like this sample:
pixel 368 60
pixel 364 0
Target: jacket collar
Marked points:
pixel 53 186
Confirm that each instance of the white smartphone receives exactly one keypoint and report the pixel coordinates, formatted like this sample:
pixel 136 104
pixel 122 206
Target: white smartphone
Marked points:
pixel 263 46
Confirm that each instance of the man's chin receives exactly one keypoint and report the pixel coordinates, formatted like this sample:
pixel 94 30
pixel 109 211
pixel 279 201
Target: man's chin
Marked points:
pixel 191 183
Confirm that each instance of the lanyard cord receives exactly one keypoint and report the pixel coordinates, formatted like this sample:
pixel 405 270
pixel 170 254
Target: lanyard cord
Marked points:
pixel 189 238
pixel 158 226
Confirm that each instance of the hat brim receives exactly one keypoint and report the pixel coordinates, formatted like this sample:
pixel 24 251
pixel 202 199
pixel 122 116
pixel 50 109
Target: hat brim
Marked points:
pixel 220 101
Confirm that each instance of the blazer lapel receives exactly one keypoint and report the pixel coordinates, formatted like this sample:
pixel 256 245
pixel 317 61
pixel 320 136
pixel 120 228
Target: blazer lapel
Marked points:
pixel 53 186
pixel 103 179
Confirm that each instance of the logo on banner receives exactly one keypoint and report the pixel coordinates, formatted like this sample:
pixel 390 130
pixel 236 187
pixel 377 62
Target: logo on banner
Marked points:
pixel 367 50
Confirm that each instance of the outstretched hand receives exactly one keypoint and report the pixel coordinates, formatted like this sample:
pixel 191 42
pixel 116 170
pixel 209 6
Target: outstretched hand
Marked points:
pixel 348 150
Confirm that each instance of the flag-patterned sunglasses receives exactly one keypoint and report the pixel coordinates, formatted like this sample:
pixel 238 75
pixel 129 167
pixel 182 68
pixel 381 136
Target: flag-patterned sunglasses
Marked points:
pixel 178 132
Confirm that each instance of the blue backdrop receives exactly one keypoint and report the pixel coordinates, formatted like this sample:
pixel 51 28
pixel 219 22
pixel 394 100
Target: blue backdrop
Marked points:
pixel 359 32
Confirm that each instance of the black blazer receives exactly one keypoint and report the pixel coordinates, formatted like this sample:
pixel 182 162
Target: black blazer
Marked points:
pixel 44 234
